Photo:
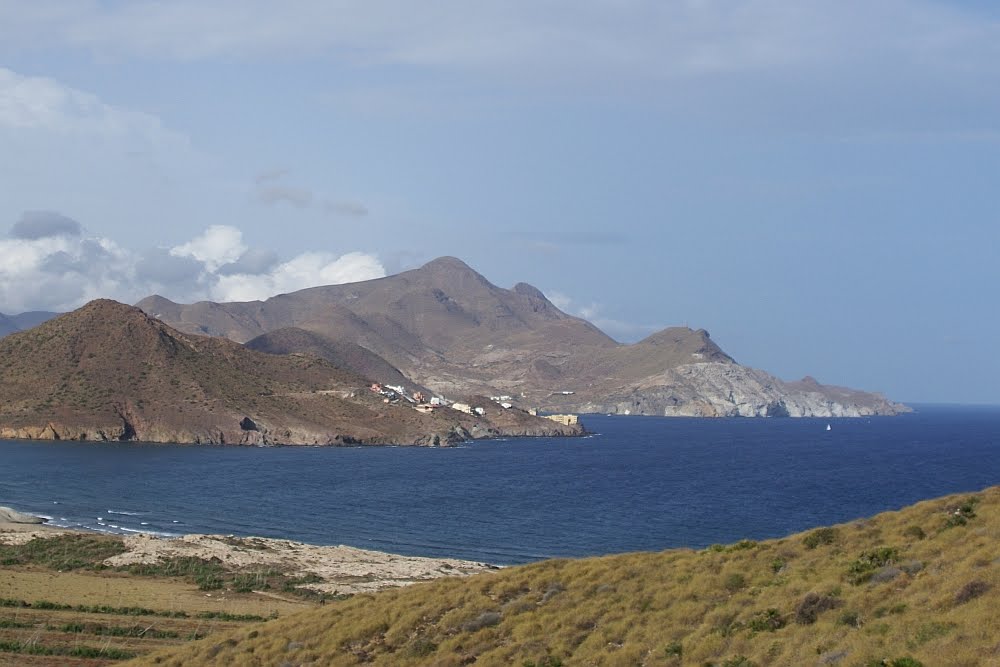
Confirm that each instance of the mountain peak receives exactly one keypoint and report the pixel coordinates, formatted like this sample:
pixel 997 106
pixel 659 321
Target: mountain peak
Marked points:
pixel 524 289
pixel 451 272
pixel 447 263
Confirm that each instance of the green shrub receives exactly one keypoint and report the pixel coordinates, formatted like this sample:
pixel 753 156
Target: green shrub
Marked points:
pixel 208 581
pixel 63 552
pixel 870 560
pixel 742 545
pixel 674 649
pixel 734 582
pixel 820 536
pixel 850 618
pixel 768 620
pixel 960 515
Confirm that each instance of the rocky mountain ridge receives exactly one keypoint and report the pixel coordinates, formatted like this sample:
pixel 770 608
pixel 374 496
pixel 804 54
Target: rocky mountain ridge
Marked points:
pixel 446 327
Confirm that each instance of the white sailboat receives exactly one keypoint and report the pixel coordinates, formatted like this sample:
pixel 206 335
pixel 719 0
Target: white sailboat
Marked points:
pixel 828 428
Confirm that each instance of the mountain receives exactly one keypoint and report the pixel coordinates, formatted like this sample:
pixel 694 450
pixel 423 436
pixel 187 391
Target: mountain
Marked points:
pixel 12 323
pixel 110 372
pixel 907 588
pixel 447 327
pixel 341 353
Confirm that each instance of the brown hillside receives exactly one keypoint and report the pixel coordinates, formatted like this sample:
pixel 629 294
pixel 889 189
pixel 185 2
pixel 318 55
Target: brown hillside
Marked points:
pixel 341 353
pixel 109 371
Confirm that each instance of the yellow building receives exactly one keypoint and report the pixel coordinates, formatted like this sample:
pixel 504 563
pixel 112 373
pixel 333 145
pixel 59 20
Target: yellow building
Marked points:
pixel 567 420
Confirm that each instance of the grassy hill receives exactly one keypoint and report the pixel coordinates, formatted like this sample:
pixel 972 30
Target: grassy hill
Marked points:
pixel 913 587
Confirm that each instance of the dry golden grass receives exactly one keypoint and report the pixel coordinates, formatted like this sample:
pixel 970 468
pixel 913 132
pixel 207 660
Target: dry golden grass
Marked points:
pixel 119 590
pixel 924 590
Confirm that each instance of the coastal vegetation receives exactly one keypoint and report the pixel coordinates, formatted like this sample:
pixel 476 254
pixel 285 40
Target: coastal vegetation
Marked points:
pixel 901 589
pixel 907 588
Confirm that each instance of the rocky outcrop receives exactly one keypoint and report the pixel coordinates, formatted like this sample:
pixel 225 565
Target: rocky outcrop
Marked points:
pixel 731 390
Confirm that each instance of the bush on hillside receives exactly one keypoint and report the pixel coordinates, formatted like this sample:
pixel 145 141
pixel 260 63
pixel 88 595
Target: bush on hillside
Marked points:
pixel 820 536
pixel 812 605
pixel 971 590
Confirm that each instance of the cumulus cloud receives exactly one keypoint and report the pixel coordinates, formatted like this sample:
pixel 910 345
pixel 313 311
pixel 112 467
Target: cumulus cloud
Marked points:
pixel 59 272
pixel 306 270
pixel 39 103
pixel 44 224
pixel 217 246
pixel 55 266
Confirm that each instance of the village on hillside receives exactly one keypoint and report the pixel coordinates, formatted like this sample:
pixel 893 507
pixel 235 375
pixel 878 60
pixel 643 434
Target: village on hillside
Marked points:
pixel 420 402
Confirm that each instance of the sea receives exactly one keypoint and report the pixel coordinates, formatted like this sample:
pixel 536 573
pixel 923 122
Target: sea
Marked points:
pixel 634 484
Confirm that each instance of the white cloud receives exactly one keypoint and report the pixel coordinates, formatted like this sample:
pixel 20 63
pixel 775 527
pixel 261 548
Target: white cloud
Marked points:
pixel 39 103
pixel 63 271
pixel 218 245
pixel 59 272
pixel 306 270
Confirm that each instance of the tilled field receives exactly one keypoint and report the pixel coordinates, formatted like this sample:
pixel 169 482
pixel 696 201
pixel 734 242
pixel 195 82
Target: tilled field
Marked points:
pixel 44 636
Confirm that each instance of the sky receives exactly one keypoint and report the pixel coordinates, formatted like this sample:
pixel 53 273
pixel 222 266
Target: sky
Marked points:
pixel 817 184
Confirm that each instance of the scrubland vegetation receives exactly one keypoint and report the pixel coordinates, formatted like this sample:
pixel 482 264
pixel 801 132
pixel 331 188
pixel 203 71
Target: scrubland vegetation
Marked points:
pixel 902 589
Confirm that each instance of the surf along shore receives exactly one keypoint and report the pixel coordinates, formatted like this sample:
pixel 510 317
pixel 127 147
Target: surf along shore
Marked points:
pixel 333 570
pixel 96 598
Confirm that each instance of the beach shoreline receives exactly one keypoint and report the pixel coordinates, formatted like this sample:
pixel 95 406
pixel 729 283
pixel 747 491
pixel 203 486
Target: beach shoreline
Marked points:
pixel 338 570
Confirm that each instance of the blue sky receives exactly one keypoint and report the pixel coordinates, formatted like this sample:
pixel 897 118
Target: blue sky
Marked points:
pixel 814 183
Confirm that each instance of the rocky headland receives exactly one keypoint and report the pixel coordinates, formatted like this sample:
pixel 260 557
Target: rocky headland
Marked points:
pixel 110 372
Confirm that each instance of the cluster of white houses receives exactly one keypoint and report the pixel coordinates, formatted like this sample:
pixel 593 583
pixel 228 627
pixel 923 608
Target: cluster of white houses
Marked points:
pixel 394 393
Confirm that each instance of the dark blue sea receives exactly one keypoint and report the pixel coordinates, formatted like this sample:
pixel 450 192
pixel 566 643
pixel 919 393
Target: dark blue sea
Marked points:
pixel 638 483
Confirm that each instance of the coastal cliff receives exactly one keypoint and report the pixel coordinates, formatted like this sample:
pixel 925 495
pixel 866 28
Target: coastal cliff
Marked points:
pixel 731 390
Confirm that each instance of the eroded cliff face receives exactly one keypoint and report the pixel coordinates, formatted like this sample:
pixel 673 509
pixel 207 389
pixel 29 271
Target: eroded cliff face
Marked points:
pixel 731 390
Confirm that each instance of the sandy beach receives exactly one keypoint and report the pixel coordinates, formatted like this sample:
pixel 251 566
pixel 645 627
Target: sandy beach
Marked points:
pixel 343 569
